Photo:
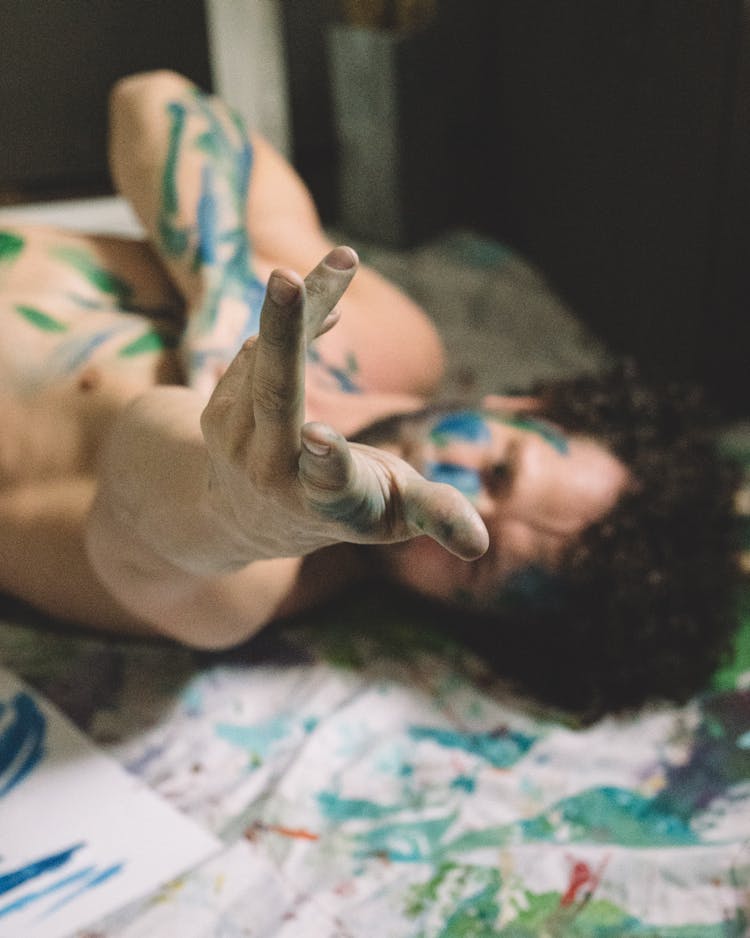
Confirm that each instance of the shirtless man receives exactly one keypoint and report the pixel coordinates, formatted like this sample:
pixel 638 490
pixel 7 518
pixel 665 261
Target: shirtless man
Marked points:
pixel 173 452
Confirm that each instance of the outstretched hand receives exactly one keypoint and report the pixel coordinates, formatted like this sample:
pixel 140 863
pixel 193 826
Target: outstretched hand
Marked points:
pixel 285 487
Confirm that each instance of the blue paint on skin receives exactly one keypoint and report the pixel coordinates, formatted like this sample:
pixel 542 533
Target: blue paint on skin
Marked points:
pixel 342 378
pixel 207 217
pixel 21 742
pixel 463 478
pixel 466 426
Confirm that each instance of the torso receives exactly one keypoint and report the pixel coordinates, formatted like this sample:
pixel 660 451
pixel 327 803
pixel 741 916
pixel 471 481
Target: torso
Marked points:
pixel 89 322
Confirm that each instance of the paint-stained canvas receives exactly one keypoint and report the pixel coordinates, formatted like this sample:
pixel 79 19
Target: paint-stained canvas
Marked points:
pixel 79 836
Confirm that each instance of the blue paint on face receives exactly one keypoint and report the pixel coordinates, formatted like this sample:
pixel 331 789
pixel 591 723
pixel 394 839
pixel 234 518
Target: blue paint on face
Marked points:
pixel 466 426
pixel 465 479
pixel 21 742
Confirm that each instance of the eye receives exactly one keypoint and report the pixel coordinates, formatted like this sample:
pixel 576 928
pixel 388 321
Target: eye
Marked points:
pixel 497 478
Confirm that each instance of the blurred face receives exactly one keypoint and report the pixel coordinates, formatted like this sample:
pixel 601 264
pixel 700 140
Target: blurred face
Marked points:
pixel 536 488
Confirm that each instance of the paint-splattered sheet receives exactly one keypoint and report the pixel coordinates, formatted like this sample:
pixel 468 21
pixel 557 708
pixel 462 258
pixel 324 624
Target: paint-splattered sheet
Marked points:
pixel 367 776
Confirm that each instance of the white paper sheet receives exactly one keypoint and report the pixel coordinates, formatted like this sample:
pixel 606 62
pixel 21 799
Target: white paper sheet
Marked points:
pixel 79 836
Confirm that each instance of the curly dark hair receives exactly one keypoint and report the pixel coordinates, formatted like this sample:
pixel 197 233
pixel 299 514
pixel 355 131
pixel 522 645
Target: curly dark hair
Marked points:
pixel 648 600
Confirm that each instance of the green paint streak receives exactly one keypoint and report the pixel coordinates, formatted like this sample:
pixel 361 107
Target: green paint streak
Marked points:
pixel 169 178
pixel 11 246
pixel 148 342
pixel 97 276
pixel 467 899
pixel 41 320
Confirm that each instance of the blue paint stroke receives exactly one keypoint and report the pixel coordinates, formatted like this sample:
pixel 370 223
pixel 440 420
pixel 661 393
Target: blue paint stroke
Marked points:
pixel 18 877
pixel 501 749
pixel 207 218
pixel 466 480
pixel 95 880
pixel 24 901
pixel 464 783
pixel 21 742
pixel 464 425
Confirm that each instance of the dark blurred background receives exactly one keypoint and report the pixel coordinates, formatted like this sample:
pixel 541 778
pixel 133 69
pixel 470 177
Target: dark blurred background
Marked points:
pixel 607 140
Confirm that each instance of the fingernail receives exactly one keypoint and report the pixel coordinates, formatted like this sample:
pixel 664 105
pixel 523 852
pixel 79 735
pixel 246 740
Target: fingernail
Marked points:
pixel 316 447
pixel 282 291
pixel 341 258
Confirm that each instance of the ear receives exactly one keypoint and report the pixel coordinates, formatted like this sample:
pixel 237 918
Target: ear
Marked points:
pixel 513 403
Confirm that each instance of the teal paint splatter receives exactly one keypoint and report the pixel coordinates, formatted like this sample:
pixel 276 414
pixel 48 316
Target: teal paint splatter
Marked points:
pixel 408 842
pixel 610 815
pixel 340 809
pixel 501 749
pixel 257 739
pixel 464 783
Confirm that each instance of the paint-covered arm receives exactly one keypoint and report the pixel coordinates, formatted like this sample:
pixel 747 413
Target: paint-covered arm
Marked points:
pixel 194 499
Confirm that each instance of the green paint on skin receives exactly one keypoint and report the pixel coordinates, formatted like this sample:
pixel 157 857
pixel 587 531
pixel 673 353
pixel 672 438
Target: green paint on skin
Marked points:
pixel 169 177
pixel 11 246
pixel 148 342
pixel 547 431
pixel 41 320
pixel 98 276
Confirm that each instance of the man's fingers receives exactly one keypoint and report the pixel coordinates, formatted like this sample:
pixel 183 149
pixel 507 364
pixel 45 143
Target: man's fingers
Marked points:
pixel 442 512
pixel 325 285
pixel 278 380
